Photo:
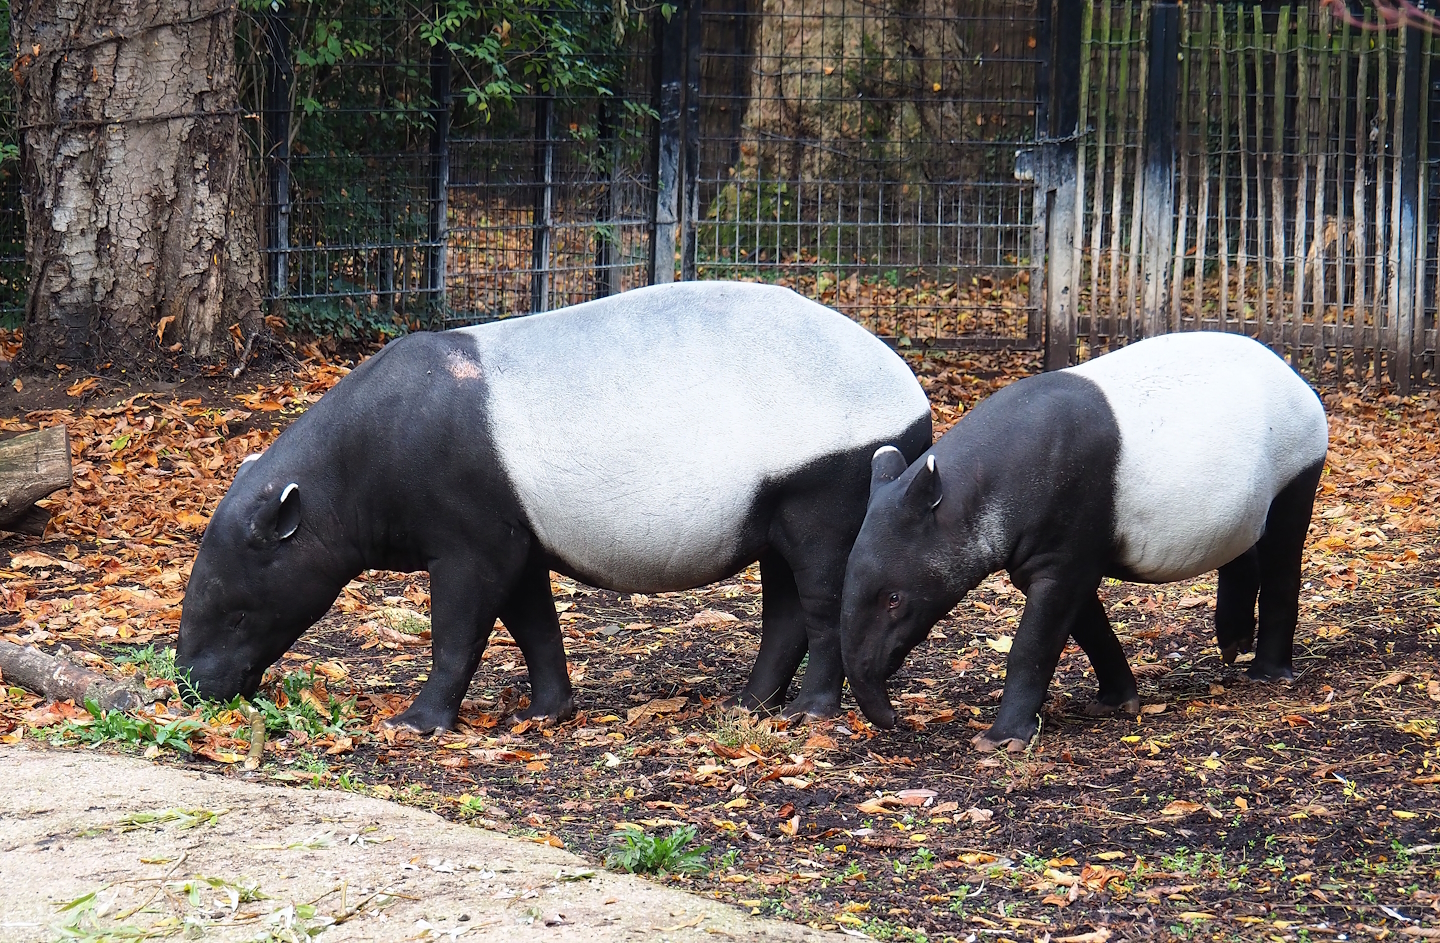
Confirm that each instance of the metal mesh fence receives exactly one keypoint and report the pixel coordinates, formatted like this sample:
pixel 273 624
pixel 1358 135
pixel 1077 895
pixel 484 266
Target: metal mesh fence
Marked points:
pixel 399 195
pixel 12 216
pixel 863 154
pixel 550 209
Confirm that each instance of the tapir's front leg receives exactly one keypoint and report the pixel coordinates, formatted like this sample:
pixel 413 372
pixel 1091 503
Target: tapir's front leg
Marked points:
pixel 1051 608
pixel 466 596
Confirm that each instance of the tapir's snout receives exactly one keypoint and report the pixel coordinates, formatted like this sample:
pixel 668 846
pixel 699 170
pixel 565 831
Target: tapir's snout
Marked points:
pixel 874 701
pixel 868 667
pixel 216 676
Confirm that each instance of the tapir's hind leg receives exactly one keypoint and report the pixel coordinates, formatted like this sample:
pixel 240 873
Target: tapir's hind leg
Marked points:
pixel 819 584
pixel 782 636
pixel 530 616
pixel 1281 551
pixel 1235 592
pixel 1117 691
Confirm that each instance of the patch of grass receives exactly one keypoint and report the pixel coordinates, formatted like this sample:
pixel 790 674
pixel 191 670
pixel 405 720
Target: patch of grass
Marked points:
pixel 153 662
pixel 637 852
pixel 119 727
pixel 297 701
pixel 740 728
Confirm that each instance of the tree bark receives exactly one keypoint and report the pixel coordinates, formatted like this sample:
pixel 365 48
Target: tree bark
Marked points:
pixel 141 240
pixel 32 466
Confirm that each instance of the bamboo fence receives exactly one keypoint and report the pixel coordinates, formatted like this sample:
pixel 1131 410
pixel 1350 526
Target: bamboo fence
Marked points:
pixel 1287 185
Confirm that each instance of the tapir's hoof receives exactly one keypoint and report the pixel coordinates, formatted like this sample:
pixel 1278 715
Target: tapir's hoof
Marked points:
pixel 1228 653
pixel 422 720
pixel 1098 708
pixel 548 710
pixel 812 708
pixel 1259 672
pixel 983 743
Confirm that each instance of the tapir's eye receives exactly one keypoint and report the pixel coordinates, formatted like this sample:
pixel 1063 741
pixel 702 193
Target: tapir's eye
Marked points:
pixel 894 600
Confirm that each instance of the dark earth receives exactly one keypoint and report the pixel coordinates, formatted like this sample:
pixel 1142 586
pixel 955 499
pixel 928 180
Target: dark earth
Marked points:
pixel 1229 809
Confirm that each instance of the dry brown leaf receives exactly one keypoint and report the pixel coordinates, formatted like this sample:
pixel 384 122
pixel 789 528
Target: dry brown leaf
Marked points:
pixel 653 708
pixel 712 617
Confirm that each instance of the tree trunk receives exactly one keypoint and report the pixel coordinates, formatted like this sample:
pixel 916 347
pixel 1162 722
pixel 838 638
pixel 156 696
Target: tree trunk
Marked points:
pixel 141 239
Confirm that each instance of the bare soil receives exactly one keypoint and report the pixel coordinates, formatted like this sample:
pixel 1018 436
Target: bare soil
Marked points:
pixel 1228 810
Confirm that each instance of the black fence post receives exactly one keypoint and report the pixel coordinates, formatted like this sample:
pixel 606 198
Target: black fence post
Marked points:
pixel 1060 175
pixel 439 235
pixel 540 230
pixel 1158 215
pixel 279 78
pixel 669 66
pixel 691 174
pixel 1409 272
pixel 606 257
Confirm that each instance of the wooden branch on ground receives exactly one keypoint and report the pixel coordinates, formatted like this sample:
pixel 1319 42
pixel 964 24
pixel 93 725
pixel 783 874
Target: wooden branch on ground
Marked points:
pixel 58 679
pixel 33 465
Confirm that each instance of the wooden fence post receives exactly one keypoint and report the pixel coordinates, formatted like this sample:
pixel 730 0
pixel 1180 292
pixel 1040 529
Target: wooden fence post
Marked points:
pixel 1410 258
pixel 669 73
pixel 1159 199
pixel 1060 174
pixel 439 235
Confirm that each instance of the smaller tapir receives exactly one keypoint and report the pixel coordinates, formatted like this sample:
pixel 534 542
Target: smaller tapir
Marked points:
pixel 1157 462
pixel 654 440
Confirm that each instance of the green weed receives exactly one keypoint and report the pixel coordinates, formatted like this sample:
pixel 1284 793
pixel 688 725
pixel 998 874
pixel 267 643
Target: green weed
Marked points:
pixel 640 853
pixel 119 727
pixel 153 662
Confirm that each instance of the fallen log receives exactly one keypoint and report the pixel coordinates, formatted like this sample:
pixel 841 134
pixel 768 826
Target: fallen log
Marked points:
pixel 59 679
pixel 33 465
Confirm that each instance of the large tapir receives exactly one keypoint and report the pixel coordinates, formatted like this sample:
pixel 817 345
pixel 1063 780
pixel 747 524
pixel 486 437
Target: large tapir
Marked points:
pixel 1163 460
pixel 655 440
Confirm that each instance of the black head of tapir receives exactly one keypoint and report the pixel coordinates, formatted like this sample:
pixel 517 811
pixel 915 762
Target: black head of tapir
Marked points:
pixel 900 579
pixel 256 585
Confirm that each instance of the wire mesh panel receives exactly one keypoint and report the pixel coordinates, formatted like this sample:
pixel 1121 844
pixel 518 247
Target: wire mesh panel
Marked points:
pixel 12 215
pixel 550 204
pixel 863 154
pixel 421 171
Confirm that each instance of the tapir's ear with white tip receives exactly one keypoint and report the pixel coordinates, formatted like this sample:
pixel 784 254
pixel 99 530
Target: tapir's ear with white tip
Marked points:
pixel 886 465
pixel 924 493
pixel 278 519
pixel 288 521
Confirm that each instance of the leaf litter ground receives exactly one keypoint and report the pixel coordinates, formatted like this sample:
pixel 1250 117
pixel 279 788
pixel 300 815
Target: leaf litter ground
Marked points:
pixel 1227 810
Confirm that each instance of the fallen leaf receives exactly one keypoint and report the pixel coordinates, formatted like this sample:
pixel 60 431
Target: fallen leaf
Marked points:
pixel 35 560
pixel 1001 644
pixel 655 708
pixel 1181 807
pixel 710 617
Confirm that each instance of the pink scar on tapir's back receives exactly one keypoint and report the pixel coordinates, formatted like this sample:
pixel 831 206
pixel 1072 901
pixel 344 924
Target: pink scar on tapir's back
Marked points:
pixel 461 367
